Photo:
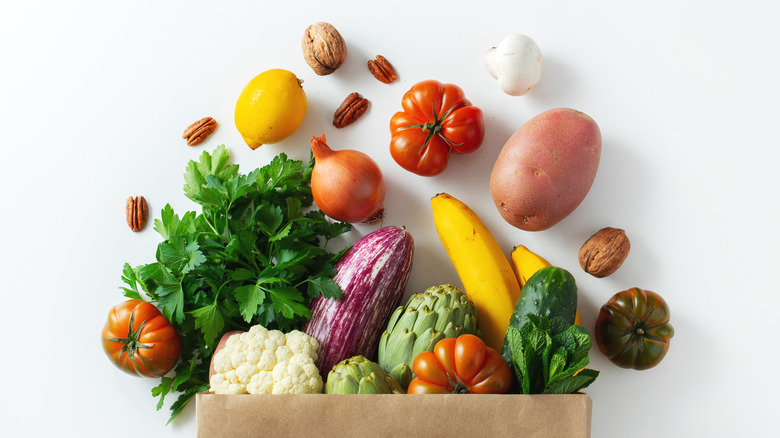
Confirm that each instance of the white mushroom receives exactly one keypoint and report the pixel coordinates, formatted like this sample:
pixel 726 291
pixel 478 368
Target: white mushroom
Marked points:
pixel 517 64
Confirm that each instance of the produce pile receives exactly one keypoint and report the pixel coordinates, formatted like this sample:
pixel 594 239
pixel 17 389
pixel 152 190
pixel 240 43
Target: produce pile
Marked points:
pixel 245 296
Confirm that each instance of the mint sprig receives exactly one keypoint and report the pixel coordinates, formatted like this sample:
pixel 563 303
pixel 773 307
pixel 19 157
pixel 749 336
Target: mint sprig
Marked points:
pixel 549 356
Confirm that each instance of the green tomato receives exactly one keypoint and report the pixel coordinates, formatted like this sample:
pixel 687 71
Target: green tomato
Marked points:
pixel 633 330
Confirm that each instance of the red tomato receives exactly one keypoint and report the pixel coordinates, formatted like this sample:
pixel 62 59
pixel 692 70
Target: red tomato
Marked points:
pixel 436 120
pixel 140 340
pixel 462 364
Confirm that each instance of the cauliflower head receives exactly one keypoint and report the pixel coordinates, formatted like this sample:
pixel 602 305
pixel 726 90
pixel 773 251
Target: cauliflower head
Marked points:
pixel 263 361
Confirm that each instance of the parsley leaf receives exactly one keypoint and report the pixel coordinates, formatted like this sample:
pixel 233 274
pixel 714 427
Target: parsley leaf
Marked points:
pixel 256 253
pixel 130 277
pixel 181 255
pixel 249 298
pixel 324 286
pixel 210 321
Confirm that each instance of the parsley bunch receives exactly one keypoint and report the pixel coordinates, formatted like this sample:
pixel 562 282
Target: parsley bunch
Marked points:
pixel 256 254
pixel 549 355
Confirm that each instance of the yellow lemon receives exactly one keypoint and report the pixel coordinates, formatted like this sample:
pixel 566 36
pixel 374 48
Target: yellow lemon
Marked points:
pixel 270 108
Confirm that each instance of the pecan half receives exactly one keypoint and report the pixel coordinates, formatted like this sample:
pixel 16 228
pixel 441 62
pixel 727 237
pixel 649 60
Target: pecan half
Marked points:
pixel 198 131
pixel 350 110
pixel 382 69
pixel 137 211
pixel 603 253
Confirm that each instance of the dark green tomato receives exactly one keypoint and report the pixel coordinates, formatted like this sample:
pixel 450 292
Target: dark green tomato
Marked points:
pixel 633 329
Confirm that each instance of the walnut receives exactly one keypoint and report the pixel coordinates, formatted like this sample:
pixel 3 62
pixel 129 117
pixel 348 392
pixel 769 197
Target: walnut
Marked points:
pixel 603 253
pixel 323 48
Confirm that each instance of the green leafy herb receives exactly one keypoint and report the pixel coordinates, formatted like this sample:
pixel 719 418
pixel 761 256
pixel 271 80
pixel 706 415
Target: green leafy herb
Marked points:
pixel 549 356
pixel 256 254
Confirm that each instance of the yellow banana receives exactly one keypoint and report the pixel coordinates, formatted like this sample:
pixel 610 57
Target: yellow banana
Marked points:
pixel 525 263
pixel 483 268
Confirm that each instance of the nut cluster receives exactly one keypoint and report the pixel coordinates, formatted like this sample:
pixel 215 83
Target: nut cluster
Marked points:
pixel 603 253
pixel 323 48
pixel 137 212
pixel 198 131
pixel 350 110
pixel 382 69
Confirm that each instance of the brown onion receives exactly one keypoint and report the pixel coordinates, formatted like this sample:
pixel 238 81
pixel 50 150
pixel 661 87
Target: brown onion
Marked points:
pixel 347 185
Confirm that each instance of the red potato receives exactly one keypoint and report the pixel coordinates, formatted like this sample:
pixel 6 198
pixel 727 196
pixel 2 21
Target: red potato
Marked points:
pixel 546 168
pixel 220 345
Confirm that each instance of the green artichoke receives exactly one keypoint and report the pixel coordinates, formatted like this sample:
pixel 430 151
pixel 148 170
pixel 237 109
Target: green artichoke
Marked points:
pixel 358 375
pixel 440 312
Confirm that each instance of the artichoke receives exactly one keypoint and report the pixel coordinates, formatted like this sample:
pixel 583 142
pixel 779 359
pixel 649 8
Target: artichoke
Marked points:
pixel 440 312
pixel 358 375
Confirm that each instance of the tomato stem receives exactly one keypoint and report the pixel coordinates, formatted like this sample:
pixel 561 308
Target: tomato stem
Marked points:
pixel 456 385
pixel 131 342
pixel 640 330
pixel 434 128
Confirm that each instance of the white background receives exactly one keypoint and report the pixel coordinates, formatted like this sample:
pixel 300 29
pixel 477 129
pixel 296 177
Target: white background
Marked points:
pixel 94 96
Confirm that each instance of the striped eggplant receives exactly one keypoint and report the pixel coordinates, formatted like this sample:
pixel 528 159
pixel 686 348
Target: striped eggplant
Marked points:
pixel 372 276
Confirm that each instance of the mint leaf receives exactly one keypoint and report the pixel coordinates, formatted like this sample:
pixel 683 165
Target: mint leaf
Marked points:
pixel 530 367
pixel 558 325
pixel 557 363
pixel 573 383
pixel 583 343
pixel 548 356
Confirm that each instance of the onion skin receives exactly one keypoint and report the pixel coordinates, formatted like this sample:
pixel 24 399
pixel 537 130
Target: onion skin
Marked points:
pixel 347 185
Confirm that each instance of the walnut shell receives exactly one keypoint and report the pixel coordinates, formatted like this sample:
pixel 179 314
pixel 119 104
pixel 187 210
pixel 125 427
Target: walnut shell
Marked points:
pixel 603 253
pixel 323 48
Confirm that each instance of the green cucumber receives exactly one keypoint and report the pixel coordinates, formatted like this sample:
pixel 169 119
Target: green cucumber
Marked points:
pixel 550 292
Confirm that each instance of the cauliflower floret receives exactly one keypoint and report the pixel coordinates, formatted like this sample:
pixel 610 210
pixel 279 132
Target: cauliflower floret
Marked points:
pixel 263 361
pixel 300 342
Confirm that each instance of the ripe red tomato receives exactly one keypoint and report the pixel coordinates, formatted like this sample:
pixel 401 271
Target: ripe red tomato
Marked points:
pixel 633 330
pixel 140 340
pixel 462 364
pixel 436 120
